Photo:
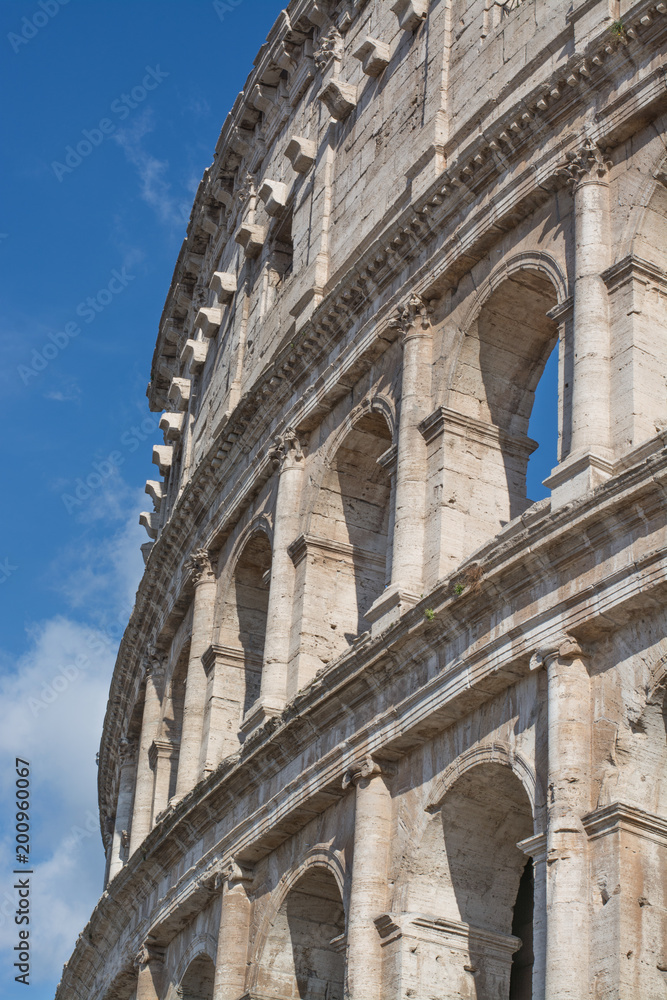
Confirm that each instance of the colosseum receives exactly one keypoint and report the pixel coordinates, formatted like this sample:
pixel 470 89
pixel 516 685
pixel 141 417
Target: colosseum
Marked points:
pixel 381 727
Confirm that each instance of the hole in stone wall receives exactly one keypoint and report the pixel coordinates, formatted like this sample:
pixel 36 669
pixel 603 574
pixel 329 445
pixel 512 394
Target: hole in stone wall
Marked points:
pixel 521 976
pixel 543 428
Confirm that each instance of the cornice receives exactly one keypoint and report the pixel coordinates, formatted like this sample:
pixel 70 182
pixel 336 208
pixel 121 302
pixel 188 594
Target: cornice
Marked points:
pixel 204 511
pixel 494 148
pixel 440 695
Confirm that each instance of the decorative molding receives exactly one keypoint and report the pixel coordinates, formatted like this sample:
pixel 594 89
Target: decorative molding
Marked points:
pixel 330 48
pixel 410 13
pixel 193 355
pixel 585 164
pixel 301 153
pixel 199 566
pixel 633 268
pixel 366 767
pixel 563 647
pixel 620 817
pixel 274 194
pixel 339 98
pixel 413 316
pixel 286 450
pixel 308 543
pixel 495 752
pixel 163 457
pixel 374 56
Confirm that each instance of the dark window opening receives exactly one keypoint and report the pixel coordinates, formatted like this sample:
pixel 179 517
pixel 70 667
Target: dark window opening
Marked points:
pixel 521 977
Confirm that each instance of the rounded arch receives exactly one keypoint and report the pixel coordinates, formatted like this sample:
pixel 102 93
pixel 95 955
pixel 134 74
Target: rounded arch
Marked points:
pixel 379 403
pixel 529 260
pixel 650 207
pixel 488 753
pixel 299 948
pixel 195 973
pixel 260 524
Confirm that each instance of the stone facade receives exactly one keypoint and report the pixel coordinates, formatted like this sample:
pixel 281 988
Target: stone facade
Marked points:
pixel 380 727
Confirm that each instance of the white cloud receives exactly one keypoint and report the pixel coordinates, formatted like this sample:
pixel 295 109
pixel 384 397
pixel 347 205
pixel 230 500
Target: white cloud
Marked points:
pixel 155 188
pixel 52 704
pixel 51 712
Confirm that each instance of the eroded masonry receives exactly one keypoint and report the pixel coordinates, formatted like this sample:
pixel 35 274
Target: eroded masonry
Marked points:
pixel 381 727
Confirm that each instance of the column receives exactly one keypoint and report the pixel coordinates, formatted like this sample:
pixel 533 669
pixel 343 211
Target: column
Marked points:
pixel 160 758
pixel 232 953
pixel 408 543
pixel 143 789
pixel 569 765
pixel 189 757
pixel 590 459
pixel 536 848
pixel 151 979
pixel 288 458
pixel 407 563
pixel 127 752
pixel 369 890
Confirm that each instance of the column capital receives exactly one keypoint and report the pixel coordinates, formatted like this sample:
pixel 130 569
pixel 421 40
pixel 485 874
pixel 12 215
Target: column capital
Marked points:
pixel 155 664
pixel 588 163
pixel 149 952
pixel 412 318
pixel 286 451
pixel 233 874
pixel 563 647
pixel 199 566
pixel 366 767
pixel 127 750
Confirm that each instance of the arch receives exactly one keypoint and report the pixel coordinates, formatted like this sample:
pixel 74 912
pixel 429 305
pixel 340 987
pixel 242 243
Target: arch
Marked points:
pixel 502 349
pixel 345 552
pixel 260 524
pixel 497 752
pixel 651 202
pixel 377 403
pixel 196 972
pixel 529 260
pixel 467 888
pixel 243 616
pixel 299 949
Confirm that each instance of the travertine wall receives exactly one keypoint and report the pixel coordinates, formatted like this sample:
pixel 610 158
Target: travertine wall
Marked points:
pixel 381 727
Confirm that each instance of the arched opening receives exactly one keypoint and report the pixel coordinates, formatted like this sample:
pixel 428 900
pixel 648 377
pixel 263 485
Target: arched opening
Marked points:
pixel 543 428
pixel 197 983
pixel 164 753
pixel 470 893
pixel 344 562
pixel 243 626
pixel 304 952
pixel 502 358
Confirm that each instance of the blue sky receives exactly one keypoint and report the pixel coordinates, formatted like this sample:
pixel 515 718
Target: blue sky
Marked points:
pixel 88 241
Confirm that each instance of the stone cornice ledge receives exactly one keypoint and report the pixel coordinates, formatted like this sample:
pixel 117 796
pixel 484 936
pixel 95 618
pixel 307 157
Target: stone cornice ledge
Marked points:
pixel 621 817
pixel 410 641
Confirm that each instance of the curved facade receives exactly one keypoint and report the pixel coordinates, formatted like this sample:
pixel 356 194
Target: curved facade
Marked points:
pixel 381 727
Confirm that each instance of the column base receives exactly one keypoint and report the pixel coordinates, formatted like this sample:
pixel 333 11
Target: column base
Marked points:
pixel 258 714
pixel 576 476
pixel 389 607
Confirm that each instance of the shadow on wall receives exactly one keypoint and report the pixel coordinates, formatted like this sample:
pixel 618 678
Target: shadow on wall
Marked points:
pixel 304 953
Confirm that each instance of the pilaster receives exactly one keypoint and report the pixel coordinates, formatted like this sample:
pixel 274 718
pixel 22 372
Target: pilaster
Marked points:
pixel 128 765
pixel 288 460
pixel 569 768
pixel 143 789
pixel 370 865
pixel 190 764
pixel 233 934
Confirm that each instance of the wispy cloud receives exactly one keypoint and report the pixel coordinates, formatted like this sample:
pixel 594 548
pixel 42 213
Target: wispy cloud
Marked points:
pixel 152 172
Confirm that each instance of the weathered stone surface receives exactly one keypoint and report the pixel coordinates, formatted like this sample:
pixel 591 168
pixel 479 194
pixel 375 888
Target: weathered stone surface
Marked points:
pixel 381 727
